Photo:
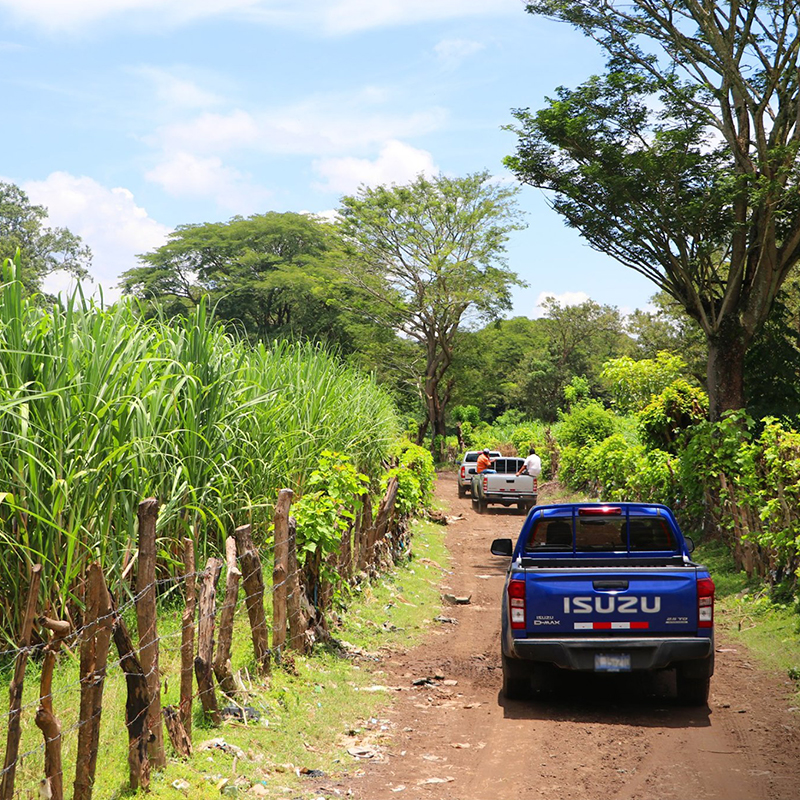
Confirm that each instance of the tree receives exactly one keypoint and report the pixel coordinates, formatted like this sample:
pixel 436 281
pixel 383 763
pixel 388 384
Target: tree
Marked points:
pixel 579 339
pixel 429 258
pixel 486 363
pixel 42 250
pixel 667 327
pixel 266 275
pixel 681 160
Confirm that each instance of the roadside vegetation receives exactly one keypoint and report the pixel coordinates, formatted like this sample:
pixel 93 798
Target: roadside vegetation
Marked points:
pixel 309 713
pixel 100 409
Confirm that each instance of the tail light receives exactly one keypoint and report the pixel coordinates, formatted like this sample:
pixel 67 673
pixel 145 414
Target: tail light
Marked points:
pixel 705 603
pixel 463 473
pixel 516 603
pixel 535 485
pixel 485 483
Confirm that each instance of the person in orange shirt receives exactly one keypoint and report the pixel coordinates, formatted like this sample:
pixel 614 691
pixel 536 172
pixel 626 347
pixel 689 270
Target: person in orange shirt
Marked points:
pixel 484 462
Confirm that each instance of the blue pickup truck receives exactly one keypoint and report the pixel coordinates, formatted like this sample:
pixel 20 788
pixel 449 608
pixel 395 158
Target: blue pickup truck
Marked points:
pixel 605 588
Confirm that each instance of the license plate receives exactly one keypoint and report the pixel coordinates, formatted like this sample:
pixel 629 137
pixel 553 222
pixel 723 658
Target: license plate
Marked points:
pixel 612 662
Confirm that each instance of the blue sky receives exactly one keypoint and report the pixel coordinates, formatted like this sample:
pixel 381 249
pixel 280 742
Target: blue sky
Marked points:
pixel 126 118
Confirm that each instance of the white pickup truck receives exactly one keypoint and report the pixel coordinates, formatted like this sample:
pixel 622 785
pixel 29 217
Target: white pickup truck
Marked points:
pixel 504 486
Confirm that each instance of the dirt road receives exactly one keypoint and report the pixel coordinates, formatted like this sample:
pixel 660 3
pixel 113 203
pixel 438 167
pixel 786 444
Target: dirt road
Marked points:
pixel 623 739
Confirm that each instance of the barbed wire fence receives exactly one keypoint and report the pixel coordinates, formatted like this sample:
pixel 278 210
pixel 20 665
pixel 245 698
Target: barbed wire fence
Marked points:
pixel 201 644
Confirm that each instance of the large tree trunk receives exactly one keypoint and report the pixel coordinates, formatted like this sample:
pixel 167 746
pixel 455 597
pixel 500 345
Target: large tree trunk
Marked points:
pixel 439 358
pixel 725 370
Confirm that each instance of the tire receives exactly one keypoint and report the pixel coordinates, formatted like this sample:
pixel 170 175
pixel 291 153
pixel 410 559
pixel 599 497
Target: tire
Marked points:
pixel 522 508
pixel 480 505
pixel 462 490
pixel 474 503
pixel 516 680
pixel 692 691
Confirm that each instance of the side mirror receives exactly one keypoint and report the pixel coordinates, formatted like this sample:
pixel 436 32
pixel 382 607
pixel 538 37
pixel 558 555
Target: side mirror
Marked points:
pixel 689 543
pixel 502 547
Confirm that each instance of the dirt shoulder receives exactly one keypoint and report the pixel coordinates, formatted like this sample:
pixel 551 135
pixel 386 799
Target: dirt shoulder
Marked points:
pixel 456 738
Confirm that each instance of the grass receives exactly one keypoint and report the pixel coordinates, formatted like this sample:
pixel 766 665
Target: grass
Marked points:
pixel 310 711
pixel 766 622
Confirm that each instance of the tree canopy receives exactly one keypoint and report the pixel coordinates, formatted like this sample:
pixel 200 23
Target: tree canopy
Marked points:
pixel 681 160
pixel 266 275
pixel 42 250
pixel 429 258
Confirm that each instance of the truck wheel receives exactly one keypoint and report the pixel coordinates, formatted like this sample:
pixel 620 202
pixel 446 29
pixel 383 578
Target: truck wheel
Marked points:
pixel 480 505
pixel 692 691
pixel 462 490
pixel 522 508
pixel 516 680
pixel 474 503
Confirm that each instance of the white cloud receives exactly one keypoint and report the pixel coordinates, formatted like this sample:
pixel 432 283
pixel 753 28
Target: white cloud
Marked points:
pixel 187 175
pixel 328 215
pixel 209 133
pixel 564 299
pixel 346 16
pixel 320 125
pixel 77 14
pixel 176 91
pixel 333 17
pixel 452 52
pixel 108 220
pixel 397 163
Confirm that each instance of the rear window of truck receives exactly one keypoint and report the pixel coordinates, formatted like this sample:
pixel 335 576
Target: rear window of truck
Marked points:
pixel 599 533
pixel 507 466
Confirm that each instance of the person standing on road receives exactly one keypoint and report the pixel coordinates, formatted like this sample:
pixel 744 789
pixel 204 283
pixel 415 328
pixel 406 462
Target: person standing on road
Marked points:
pixel 532 465
pixel 484 461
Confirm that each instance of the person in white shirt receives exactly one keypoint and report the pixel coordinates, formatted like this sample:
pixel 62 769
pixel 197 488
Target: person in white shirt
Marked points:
pixel 532 465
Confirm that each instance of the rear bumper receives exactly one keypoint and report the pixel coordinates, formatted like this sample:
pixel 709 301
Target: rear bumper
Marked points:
pixel 515 497
pixel 646 654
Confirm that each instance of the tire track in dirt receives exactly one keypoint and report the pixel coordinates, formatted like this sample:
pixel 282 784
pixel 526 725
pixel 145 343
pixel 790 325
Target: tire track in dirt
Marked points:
pixel 622 737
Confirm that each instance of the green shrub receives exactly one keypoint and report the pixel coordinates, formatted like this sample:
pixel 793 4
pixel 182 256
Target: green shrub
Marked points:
pixel 328 508
pixel 586 423
pixel 668 415
pixel 575 471
pixel 415 473
pixel 614 469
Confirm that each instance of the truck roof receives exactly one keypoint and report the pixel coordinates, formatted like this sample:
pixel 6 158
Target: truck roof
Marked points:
pixel 600 509
pixel 601 530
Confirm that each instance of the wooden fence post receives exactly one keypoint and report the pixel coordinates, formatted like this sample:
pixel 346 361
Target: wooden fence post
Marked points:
pixel 187 637
pixel 363 534
pixel 297 626
pixel 205 640
pixel 386 510
pixel 253 581
pixel 349 536
pixel 280 571
pixel 94 658
pixel 137 706
pixel 222 660
pixel 46 720
pixel 146 622
pixel 177 733
pixel 15 689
